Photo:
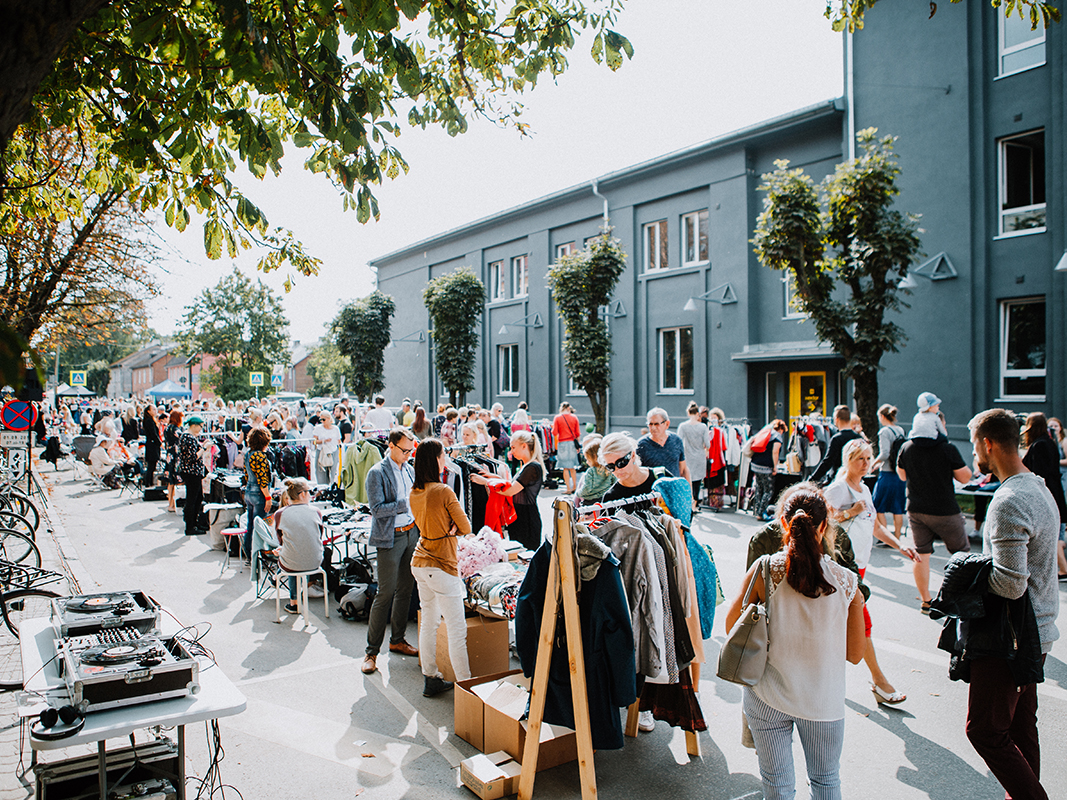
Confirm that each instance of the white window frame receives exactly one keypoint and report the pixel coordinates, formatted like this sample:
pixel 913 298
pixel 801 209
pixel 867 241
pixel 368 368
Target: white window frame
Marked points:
pixel 656 245
pixel 1003 213
pixel 498 281
pixel 695 223
pixel 676 334
pixel 520 275
pixel 573 389
pixel 566 249
pixel 788 291
pixel 507 360
pixel 1005 372
pixel 1005 51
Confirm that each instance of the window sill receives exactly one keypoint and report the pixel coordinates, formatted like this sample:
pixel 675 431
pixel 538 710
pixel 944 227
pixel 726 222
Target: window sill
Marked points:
pixel 669 272
pixel 1020 70
pixel 1017 234
pixel 507 394
pixel 1029 398
pixel 695 264
pixel 504 302
pixel 670 392
pixel 796 316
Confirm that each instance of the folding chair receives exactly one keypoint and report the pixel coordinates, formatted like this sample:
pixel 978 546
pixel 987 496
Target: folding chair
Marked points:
pixel 82 446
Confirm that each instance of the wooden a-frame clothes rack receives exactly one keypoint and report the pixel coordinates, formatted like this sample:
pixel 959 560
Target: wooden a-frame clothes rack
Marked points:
pixel 561 589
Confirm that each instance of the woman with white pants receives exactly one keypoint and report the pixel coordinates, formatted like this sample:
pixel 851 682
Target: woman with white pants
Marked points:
pixel 815 620
pixel 440 519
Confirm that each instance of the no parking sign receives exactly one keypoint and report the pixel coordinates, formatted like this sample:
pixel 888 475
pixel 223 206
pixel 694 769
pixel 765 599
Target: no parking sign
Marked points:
pixel 17 415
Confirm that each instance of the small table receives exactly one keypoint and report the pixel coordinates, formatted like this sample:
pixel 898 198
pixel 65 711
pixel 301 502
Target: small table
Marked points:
pixel 218 697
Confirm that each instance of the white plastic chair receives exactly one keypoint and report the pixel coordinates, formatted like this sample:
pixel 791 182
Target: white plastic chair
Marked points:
pixel 301 591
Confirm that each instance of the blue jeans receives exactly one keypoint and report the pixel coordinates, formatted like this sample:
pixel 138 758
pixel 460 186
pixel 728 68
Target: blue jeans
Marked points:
pixel 255 506
pixel 772 731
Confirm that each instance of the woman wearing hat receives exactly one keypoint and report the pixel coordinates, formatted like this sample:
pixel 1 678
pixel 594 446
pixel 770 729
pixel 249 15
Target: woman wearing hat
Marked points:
pixel 192 469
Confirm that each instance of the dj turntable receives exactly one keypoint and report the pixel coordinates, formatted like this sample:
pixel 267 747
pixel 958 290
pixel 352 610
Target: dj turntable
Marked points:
pixel 106 671
pixel 92 613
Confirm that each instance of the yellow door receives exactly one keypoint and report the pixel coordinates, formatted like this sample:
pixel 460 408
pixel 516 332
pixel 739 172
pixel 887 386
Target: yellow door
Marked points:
pixel 807 393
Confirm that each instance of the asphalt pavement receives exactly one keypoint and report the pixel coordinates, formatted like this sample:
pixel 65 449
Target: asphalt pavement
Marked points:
pixel 315 726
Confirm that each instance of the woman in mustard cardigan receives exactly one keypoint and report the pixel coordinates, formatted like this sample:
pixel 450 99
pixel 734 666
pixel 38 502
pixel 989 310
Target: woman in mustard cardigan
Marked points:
pixel 440 519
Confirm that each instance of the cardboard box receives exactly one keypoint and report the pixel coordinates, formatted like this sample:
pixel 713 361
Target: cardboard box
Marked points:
pixel 501 701
pixel 487 647
pixel 491 776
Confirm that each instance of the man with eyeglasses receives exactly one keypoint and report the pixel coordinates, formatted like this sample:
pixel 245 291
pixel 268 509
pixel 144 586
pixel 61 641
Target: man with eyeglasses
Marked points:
pixel 661 448
pixel 394 534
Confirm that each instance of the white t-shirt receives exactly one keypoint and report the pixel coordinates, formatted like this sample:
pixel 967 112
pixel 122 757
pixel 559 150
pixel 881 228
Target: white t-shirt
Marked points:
pixel 331 438
pixel 378 418
pixel 860 528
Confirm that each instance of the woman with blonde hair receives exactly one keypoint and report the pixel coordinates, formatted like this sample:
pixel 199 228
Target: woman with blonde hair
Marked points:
pixel 524 488
pixel 852 507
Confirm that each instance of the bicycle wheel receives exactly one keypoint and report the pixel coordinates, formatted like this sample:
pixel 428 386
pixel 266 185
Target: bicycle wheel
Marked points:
pixel 14 500
pixel 16 522
pixel 20 548
pixel 18 607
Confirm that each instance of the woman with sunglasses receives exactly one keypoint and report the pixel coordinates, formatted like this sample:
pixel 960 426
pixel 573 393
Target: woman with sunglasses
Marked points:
pixel 618 454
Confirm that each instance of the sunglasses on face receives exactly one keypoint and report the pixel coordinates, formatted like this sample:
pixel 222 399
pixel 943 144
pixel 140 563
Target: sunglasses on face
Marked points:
pixel 620 463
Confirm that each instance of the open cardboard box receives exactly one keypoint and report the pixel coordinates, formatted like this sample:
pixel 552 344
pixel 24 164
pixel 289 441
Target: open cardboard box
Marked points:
pixel 491 776
pixel 487 714
pixel 487 647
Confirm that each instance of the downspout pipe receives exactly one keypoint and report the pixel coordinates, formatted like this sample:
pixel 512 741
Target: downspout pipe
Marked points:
pixel 598 194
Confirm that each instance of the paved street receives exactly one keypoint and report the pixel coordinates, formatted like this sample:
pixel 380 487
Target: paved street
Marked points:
pixel 315 726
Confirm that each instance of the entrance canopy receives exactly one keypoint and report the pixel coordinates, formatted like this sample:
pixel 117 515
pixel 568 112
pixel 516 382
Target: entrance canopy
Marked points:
pixel 168 388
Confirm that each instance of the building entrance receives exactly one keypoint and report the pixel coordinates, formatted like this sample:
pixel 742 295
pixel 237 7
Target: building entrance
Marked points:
pixel 807 394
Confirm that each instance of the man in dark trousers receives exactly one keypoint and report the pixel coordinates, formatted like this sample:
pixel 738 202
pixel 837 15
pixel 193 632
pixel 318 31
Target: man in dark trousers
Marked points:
pixel 831 462
pixel 192 469
pixel 394 534
pixel 1020 533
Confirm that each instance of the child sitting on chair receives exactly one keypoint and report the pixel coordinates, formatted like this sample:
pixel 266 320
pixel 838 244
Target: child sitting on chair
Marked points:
pixel 298 527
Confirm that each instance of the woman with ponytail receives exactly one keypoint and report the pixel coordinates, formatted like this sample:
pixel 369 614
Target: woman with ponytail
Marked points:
pixel 524 489
pixel 815 619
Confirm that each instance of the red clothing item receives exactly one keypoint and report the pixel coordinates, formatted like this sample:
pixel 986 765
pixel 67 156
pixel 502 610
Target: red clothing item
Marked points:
pixel 717 451
pixel 566 428
pixel 499 508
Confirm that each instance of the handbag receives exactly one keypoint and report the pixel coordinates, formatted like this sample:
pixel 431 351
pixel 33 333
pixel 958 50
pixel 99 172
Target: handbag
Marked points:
pixel 326 459
pixel 743 657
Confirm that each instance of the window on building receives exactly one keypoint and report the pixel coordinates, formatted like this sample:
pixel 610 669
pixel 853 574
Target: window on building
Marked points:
pixel 498 281
pixel 520 271
pixel 508 362
pixel 574 388
pixel 1022 349
pixel 566 249
pixel 1022 183
pixel 789 291
pixel 656 246
pixel 1020 47
pixel 676 359
pixel 695 238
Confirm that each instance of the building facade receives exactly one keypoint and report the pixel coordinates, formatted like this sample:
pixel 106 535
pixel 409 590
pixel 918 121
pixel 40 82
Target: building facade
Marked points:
pixel 976 105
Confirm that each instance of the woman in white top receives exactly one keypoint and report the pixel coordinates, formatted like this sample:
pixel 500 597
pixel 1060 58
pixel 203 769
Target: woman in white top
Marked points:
pixel 852 507
pixel 327 440
pixel 815 619
pixel 695 438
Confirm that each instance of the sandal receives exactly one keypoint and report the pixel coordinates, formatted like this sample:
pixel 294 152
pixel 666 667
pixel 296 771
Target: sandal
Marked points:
pixel 886 698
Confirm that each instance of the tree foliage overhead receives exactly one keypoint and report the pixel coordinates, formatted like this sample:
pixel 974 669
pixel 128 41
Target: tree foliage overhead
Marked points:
pixel 177 95
pixel 362 332
pixel 848 14
pixel 76 260
pixel 582 283
pixel 455 301
pixel 243 324
pixel 847 250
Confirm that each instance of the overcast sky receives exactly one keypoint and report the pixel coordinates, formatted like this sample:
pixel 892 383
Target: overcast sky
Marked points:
pixel 700 69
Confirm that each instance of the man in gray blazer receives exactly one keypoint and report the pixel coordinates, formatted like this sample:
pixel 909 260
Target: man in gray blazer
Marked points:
pixel 394 534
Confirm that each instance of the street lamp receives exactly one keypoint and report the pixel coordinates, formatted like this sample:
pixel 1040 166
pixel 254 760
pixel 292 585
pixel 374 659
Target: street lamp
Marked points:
pixel 416 336
pixel 938 268
pixel 522 323
pixel 723 295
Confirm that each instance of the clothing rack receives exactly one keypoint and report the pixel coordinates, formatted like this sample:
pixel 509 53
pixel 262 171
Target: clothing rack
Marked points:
pixel 626 501
pixel 562 585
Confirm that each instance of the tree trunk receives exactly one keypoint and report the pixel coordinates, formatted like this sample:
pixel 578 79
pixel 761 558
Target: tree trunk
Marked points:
pixel 866 397
pixel 598 400
pixel 32 35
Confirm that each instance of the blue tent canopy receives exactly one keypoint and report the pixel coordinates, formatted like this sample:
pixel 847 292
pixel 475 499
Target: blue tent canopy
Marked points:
pixel 168 388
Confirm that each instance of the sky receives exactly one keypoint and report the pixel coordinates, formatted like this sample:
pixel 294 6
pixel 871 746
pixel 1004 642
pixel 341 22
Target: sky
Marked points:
pixel 700 69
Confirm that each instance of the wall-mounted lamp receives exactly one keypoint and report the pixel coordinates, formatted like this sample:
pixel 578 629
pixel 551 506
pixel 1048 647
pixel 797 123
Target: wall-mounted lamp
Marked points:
pixel 613 310
pixel 523 323
pixel 938 268
pixel 723 295
pixel 1061 265
pixel 417 336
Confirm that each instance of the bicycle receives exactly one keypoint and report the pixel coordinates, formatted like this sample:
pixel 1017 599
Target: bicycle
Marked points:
pixel 17 547
pixel 11 521
pixel 22 599
pixel 18 502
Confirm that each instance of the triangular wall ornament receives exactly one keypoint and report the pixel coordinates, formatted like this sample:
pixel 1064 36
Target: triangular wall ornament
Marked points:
pixel 722 294
pixel 938 268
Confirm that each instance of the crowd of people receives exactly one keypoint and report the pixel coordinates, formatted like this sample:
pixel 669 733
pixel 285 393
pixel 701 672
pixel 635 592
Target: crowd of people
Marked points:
pixel 817 541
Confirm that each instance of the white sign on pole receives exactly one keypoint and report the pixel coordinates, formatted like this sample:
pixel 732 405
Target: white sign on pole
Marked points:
pixel 16 465
pixel 15 439
pixel 277 369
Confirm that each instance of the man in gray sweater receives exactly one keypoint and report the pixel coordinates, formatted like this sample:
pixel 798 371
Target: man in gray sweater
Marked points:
pixel 1021 530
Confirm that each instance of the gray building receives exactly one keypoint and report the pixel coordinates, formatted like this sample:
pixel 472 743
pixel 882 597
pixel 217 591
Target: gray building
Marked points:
pixel 976 104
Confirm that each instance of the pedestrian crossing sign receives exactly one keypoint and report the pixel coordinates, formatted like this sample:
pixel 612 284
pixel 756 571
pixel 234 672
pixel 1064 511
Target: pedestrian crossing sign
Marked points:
pixel 255 378
pixel 77 377
pixel 276 380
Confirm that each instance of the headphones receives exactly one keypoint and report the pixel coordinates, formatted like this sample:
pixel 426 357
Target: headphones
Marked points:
pixel 58 723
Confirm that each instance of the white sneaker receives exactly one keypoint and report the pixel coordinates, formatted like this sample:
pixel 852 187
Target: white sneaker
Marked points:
pixel 314 590
pixel 645 722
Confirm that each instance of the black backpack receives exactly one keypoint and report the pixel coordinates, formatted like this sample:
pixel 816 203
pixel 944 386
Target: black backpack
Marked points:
pixel 894 450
